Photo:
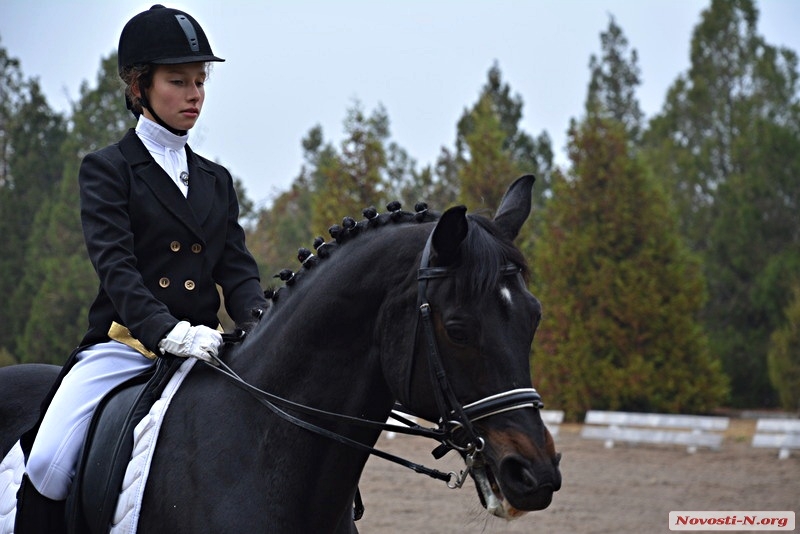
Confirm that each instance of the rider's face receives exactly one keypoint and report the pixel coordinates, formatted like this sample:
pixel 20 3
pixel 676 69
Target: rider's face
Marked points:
pixel 177 94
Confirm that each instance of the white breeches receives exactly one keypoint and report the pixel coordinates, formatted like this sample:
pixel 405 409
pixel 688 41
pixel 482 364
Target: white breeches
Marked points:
pixel 53 459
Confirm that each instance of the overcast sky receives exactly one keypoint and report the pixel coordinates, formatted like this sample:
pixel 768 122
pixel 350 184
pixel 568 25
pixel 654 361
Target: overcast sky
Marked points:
pixel 293 65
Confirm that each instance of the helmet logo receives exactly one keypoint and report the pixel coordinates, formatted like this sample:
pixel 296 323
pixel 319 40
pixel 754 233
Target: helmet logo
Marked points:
pixel 191 34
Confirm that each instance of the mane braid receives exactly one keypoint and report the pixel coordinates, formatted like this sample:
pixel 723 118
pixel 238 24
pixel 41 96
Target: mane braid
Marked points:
pixel 344 232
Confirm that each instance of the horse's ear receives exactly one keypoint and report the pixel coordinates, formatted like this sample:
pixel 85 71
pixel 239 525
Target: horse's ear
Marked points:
pixel 515 206
pixel 450 231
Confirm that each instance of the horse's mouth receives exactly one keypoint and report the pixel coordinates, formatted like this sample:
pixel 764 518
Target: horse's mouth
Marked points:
pixel 492 497
pixel 523 492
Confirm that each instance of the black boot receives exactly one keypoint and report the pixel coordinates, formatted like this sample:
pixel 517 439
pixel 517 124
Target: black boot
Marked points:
pixel 36 514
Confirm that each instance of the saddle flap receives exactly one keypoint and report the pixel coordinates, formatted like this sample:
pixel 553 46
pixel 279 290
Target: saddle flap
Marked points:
pixel 108 447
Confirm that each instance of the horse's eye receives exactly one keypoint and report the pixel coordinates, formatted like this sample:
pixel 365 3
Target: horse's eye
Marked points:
pixel 458 333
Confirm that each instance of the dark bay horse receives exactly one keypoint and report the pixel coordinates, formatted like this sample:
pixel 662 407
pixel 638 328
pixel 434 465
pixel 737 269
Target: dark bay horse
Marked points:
pixel 353 335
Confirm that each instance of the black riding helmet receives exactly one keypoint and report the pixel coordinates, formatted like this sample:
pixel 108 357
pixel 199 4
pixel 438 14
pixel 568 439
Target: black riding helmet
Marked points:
pixel 162 36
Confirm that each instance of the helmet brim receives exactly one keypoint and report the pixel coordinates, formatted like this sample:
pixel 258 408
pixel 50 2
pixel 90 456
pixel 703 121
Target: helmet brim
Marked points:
pixel 184 59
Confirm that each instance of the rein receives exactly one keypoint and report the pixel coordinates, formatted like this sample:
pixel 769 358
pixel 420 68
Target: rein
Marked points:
pixel 453 415
pixel 278 406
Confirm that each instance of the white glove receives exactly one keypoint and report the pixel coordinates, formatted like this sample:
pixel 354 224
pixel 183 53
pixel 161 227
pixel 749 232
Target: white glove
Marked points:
pixel 186 341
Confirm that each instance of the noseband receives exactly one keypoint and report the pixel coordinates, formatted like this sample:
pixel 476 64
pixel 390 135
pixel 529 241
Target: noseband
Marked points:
pixel 452 414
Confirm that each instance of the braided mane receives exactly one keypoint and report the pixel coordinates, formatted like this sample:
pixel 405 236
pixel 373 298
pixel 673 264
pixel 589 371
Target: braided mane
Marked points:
pixel 488 251
pixel 341 233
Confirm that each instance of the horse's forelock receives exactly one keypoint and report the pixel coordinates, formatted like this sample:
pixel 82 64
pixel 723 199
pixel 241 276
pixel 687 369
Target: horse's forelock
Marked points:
pixel 485 253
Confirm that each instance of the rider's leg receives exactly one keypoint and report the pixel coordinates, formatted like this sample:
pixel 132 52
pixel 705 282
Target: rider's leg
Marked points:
pixel 54 456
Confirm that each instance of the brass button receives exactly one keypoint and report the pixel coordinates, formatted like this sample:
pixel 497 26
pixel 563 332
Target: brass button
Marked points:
pixel 164 282
pixel 196 248
pixel 189 284
pixel 174 246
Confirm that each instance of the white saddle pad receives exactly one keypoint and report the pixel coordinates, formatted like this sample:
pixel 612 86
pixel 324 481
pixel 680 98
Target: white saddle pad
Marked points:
pixel 11 470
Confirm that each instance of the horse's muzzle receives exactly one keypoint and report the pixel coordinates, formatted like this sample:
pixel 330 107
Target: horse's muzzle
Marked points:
pixel 527 486
pixel 518 478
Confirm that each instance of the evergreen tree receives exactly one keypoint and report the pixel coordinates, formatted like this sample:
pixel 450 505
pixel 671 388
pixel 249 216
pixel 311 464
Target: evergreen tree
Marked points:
pixel 11 90
pixel 30 165
pixel 621 294
pixel 727 144
pixel 282 229
pixel 408 185
pixel 60 282
pixel 487 173
pixel 60 299
pixel 6 358
pixel 248 213
pixel 489 139
pixel 366 170
pixel 370 170
pixel 348 180
pixel 783 357
pixel 423 186
pixel 614 80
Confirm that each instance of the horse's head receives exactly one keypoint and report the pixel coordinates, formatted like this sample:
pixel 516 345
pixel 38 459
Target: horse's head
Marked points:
pixel 474 355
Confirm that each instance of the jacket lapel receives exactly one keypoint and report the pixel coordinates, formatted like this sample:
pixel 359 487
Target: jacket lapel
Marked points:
pixel 159 182
pixel 201 186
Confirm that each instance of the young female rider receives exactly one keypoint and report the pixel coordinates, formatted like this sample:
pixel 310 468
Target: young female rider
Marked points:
pixel 160 225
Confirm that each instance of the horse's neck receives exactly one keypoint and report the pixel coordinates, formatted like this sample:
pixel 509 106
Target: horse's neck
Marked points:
pixel 322 341
pixel 322 346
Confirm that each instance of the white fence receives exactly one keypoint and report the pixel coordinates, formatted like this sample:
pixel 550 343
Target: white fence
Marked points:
pixel 552 419
pixel 691 431
pixel 781 434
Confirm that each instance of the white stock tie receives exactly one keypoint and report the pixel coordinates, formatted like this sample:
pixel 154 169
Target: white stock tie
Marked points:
pixel 175 165
pixel 167 149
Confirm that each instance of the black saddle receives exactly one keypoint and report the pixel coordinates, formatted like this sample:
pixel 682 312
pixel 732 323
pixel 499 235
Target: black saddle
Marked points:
pixel 108 447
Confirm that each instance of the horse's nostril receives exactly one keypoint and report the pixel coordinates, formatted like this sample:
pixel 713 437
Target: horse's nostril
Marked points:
pixel 528 478
pixel 518 475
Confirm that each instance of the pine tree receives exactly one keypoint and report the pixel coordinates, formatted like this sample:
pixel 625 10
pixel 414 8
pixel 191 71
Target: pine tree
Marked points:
pixel 367 169
pixel 59 281
pixel 61 297
pixel 727 144
pixel 783 357
pixel 620 292
pixel 348 180
pixel 11 90
pixel 489 140
pixel 282 229
pixel 485 175
pixel 614 80
pixel 30 166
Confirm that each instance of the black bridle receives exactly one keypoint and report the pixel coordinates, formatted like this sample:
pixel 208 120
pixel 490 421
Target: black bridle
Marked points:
pixel 453 415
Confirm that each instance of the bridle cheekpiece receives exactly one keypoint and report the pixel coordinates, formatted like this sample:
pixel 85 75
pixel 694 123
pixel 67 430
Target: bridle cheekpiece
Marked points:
pixel 452 414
